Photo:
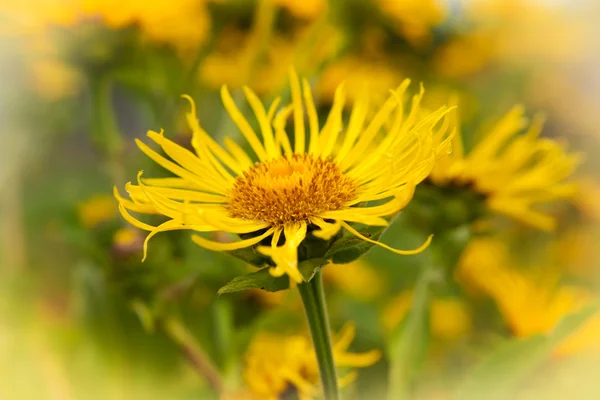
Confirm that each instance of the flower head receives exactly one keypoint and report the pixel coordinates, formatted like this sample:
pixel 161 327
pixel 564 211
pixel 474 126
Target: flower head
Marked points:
pixel 184 24
pixel 97 209
pixel 356 72
pixel 292 189
pixel 530 301
pixel 513 171
pixel 309 9
pixel 587 199
pixel 276 364
pixel 414 18
pixel 358 279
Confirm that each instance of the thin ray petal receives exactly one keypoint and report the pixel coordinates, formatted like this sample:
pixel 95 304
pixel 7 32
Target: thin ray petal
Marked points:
pixel 418 250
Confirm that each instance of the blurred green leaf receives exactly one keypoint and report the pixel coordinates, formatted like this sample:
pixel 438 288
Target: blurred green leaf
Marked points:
pixel 408 345
pixel 145 315
pixel 350 248
pixel 499 374
pixel 264 280
pixel 256 280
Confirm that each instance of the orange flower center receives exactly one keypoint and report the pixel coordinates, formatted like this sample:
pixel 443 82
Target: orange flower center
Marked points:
pixel 290 189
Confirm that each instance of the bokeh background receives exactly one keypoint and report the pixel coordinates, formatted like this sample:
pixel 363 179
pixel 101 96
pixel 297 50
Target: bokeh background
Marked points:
pixel 82 318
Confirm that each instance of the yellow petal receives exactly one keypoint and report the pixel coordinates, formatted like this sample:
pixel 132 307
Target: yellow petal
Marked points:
pixel 229 246
pixel 299 133
pixel 243 125
pixel 418 250
pixel 327 231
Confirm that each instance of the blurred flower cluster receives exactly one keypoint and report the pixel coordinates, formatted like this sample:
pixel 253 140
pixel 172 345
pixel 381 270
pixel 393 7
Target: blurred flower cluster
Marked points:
pixel 317 136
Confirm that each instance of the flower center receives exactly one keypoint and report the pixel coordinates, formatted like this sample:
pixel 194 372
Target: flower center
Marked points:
pixel 290 190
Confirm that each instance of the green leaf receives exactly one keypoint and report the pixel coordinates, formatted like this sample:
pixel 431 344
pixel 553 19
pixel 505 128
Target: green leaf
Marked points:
pixel 408 345
pixel 262 279
pixel 250 256
pixel 308 268
pixel 500 373
pixel 350 248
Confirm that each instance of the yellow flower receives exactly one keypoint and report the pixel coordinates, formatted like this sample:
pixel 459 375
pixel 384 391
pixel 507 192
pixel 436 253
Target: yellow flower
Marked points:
pixel 358 279
pixel 509 32
pixel 525 31
pixel 465 54
pixel 126 237
pixel 234 63
pixel 267 299
pixel 359 74
pixel 449 317
pixel 513 170
pixel 49 74
pixel 309 9
pixel 416 18
pixel 576 250
pixel 98 209
pixel 54 79
pixel 275 363
pixel 293 189
pixel 584 341
pixel 183 23
pixel 242 58
pixel 587 198
pixel 530 302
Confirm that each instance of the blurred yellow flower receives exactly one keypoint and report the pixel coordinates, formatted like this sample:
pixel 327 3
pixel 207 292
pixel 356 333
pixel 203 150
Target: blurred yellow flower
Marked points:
pixel 125 237
pixel 587 199
pixel 308 9
pixel 415 18
pixel 526 31
pixel 465 54
pixel 513 32
pixel 358 74
pixel 489 253
pixel 585 341
pixel 290 188
pixel 449 317
pixel 577 250
pixel 241 58
pixel 531 301
pixel 513 170
pixel 233 63
pixel 276 364
pixel 32 17
pixel 97 209
pixel 53 79
pixel 50 75
pixel 183 23
pixel 358 279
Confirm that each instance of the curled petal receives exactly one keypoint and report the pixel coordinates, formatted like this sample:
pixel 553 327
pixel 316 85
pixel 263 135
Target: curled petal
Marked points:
pixel 418 250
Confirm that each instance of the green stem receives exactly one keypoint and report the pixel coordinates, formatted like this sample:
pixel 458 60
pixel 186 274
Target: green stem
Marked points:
pixel 313 298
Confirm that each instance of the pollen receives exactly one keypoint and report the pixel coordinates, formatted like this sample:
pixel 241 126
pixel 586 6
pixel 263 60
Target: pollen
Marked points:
pixel 290 189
